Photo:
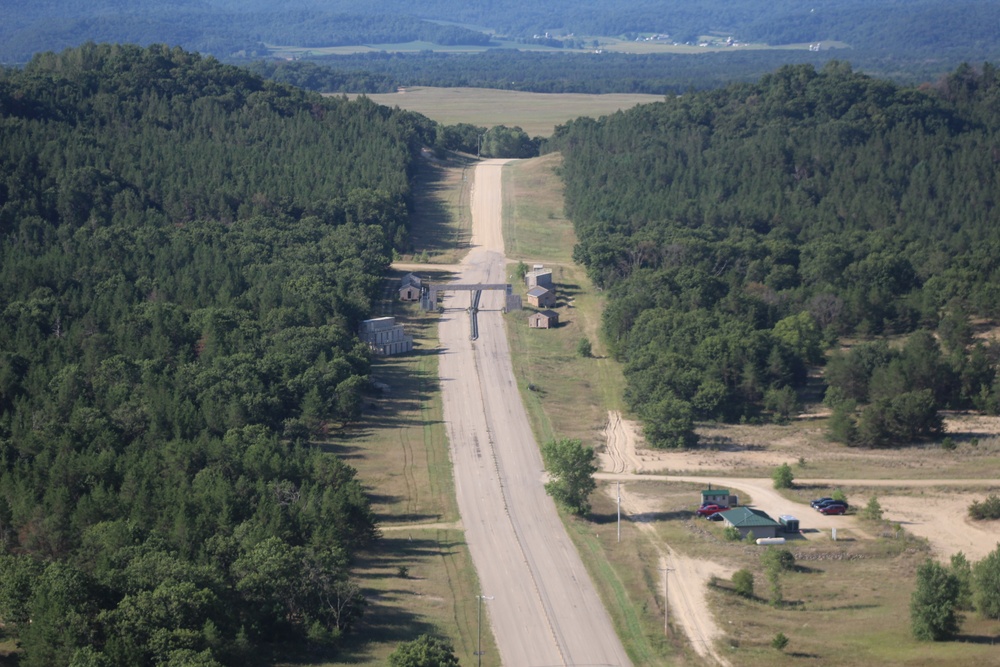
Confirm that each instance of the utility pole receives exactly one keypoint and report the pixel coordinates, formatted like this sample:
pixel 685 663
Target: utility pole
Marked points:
pixel 666 600
pixel 479 651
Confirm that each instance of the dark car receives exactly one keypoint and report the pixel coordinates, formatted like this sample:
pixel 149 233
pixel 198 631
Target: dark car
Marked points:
pixel 832 502
pixel 820 501
pixel 717 516
pixel 833 508
pixel 709 510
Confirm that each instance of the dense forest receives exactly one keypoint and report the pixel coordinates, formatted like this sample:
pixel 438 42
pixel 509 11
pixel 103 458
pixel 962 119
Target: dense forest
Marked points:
pixel 571 72
pixel 743 231
pixel 185 253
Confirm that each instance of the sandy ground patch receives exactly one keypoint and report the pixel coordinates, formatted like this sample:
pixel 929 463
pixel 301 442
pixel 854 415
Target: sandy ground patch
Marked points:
pixel 943 519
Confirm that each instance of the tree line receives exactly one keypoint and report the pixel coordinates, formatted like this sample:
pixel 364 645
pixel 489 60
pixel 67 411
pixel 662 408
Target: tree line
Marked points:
pixel 594 73
pixel 186 251
pixel 743 231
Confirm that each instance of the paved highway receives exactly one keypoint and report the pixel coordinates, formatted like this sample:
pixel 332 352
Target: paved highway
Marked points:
pixel 544 610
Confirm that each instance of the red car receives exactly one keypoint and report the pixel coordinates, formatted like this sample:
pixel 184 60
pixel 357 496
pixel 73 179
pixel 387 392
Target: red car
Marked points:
pixel 709 510
pixel 833 509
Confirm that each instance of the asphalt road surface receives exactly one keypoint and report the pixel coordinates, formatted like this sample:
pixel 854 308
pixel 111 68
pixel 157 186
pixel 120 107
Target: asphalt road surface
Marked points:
pixel 544 610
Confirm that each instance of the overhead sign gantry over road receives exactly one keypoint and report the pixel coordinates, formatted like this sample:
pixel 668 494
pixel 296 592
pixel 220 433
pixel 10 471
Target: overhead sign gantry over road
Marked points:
pixel 429 299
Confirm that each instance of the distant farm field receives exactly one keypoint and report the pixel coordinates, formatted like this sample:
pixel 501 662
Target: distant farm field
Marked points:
pixel 536 113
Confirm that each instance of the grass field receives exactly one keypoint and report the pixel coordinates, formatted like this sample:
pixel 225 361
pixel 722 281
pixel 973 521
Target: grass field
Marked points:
pixel 441 223
pixel 535 113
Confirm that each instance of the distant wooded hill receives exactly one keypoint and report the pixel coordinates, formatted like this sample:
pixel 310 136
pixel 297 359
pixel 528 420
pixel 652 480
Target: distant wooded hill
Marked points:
pixel 905 31
pixel 742 231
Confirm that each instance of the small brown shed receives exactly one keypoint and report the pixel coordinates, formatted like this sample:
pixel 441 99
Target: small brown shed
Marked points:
pixel 410 288
pixel 543 319
pixel 541 297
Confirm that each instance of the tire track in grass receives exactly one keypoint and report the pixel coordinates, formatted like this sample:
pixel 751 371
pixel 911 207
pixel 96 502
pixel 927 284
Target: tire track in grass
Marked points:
pixel 412 489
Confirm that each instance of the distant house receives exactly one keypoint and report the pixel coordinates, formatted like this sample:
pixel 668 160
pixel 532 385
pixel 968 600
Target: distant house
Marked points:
pixel 410 288
pixel 541 297
pixel 543 319
pixel 746 520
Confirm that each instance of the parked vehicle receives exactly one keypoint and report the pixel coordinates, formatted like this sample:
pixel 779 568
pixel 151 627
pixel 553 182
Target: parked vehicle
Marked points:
pixel 832 502
pixel 709 510
pixel 717 516
pixel 820 501
pixel 834 508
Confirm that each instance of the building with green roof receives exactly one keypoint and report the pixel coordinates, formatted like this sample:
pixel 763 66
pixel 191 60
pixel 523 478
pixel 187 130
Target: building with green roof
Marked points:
pixel 747 519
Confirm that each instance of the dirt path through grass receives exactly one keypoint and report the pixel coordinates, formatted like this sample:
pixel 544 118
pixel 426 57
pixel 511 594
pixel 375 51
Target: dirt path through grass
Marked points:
pixel 687 581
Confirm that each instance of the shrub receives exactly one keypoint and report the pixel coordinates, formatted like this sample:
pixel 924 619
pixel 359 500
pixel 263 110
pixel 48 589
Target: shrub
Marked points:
pixel 743 583
pixel 932 605
pixel 779 642
pixel 962 570
pixel 873 510
pixel 778 559
pixel 731 533
pixel 424 651
pixel 986 589
pixel 584 349
pixel 783 477
pixel 988 509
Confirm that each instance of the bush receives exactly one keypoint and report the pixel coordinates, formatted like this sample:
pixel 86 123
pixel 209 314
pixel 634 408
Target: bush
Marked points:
pixel 873 510
pixel 783 477
pixel 743 583
pixel 424 651
pixel 986 578
pixel 988 509
pixel 778 559
pixel 932 605
pixel 962 570
pixel 779 642
pixel 584 349
pixel 732 533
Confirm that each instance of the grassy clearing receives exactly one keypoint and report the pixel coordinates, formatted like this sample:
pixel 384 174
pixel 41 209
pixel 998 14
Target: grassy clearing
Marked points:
pixel 567 396
pixel 535 113
pixel 441 223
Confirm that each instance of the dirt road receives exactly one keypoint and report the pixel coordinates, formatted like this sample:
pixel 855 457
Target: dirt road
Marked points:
pixel 544 609
pixel 687 584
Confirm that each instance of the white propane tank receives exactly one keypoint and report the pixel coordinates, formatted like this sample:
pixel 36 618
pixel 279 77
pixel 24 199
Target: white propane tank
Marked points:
pixel 770 540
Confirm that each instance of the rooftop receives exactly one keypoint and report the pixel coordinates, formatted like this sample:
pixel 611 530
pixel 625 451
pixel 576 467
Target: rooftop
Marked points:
pixel 746 517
